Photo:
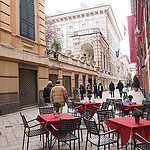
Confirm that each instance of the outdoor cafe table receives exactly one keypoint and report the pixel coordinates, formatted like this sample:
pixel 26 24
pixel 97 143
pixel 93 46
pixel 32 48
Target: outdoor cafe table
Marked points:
pixel 132 106
pixel 51 119
pixel 88 106
pixel 127 126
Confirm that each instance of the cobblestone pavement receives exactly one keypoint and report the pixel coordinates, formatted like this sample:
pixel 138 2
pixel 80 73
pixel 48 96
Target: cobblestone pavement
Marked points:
pixel 11 127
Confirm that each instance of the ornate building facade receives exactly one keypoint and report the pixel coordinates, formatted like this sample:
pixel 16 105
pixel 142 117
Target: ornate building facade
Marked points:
pixel 90 33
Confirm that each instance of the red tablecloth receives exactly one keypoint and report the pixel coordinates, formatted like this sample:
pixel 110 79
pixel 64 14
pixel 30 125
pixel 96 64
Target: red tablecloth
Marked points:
pixel 51 119
pixel 88 106
pixel 127 126
pixel 132 106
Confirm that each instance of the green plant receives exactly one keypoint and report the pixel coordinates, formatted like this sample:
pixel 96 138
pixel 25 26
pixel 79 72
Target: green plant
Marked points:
pixel 89 95
pixel 75 90
pixel 84 59
pixel 135 82
pixel 56 46
pixel 130 96
pixel 137 113
pixel 57 104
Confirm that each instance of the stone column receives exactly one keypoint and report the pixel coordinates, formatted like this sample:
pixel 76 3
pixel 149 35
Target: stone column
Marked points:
pixel 60 77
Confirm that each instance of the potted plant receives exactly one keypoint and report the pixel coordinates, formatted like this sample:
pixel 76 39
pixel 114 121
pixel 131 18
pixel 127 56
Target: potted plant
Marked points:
pixel 137 114
pixel 135 83
pixel 57 105
pixel 89 97
pixel 57 47
pixel 75 91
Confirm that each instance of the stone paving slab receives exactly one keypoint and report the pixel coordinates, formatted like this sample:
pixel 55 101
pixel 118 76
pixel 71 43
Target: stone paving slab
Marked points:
pixel 11 127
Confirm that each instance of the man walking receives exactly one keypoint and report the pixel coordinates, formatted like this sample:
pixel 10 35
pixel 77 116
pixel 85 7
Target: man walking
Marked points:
pixel 59 94
pixel 46 92
pixel 95 91
pixel 100 90
pixel 82 91
pixel 120 87
pixel 111 89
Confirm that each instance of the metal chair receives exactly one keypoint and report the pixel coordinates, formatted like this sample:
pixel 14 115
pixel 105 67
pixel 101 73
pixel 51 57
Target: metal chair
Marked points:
pixel 103 115
pixel 105 105
pixel 83 113
pixel 46 110
pixel 32 130
pixel 139 145
pixel 66 132
pixel 120 110
pixel 116 101
pixel 99 139
pixel 146 108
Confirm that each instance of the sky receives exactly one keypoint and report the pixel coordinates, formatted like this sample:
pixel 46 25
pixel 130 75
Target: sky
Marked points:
pixel 121 9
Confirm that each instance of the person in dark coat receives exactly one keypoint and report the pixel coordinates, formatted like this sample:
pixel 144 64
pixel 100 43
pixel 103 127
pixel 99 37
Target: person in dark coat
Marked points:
pixel 100 90
pixel 120 87
pixel 95 91
pixel 46 92
pixel 111 89
pixel 82 91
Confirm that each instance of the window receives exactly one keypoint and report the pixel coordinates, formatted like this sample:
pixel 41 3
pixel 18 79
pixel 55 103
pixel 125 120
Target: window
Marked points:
pixel 58 29
pixel 70 27
pixel 97 23
pixel 83 25
pixel 27 27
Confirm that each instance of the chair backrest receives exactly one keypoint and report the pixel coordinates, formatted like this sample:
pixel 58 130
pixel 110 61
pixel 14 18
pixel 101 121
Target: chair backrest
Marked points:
pixel 68 125
pixel 105 105
pixel 91 126
pixel 103 115
pixel 110 101
pixel 146 107
pixel 87 113
pixel 117 101
pixel 119 106
pixel 75 100
pixel 25 123
pixel 46 110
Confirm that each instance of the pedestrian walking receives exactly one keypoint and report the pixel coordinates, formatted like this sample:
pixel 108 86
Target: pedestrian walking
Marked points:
pixel 46 92
pixel 120 87
pixel 95 91
pixel 59 94
pixel 100 90
pixel 111 89
pixel 82 91
pixel 89 88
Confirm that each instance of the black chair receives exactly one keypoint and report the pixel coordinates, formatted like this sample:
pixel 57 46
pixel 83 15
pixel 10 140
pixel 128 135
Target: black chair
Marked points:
pixel 105 105
pixel 32 130
pixel 121 111
pixel 46 110
pixel 99 139
pixel 83 113
pixel 139 145
pixel 146 108
pixel 116 101
pixel 66 132
pixel 103 115
pixel 110 101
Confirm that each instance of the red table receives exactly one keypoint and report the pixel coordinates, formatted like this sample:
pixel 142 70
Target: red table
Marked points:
pixel 51 119
pixel 88 106
pixel 127 126
pixel 132 106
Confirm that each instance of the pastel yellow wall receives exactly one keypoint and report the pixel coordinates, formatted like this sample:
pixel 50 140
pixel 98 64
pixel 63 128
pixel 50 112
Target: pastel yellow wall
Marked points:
pixel 43 77
pixel 8 77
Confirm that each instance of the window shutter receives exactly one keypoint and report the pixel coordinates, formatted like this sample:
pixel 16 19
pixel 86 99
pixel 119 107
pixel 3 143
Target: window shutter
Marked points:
pixel 27 28
pixel 31 19
pixel 23 18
